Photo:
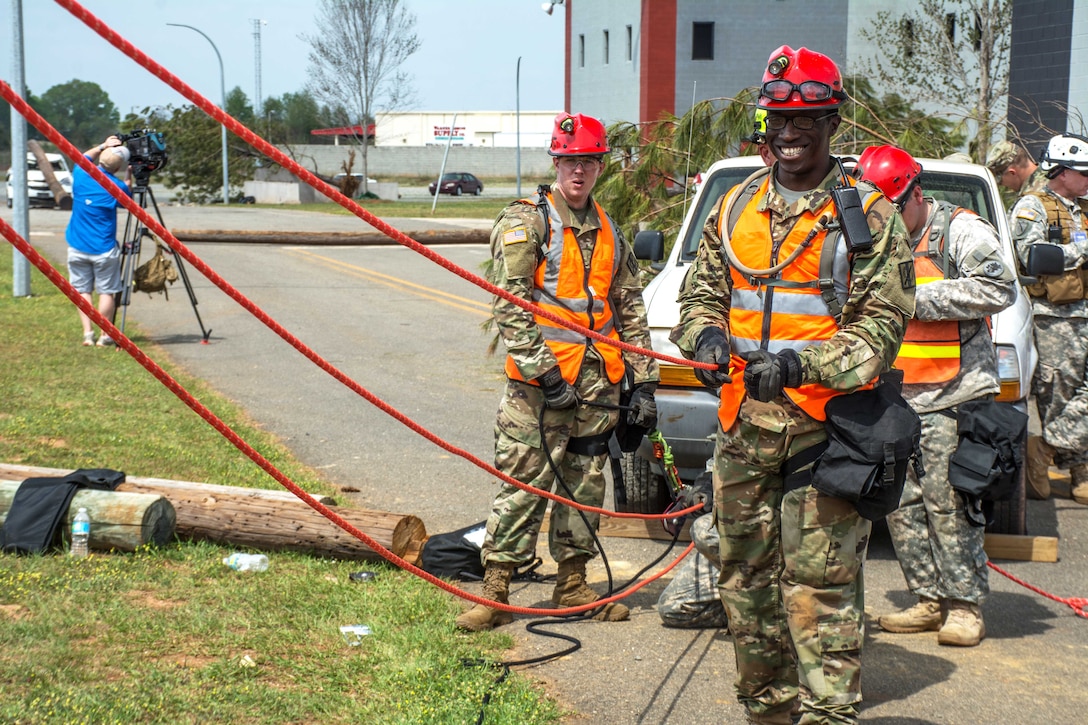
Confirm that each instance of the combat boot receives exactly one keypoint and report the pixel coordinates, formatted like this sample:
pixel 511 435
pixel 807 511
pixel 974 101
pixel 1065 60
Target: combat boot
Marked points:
pixel 962 624
pixel 925 616
pixel 571 591
pixel 1040 455
pixel 496 588
pixel 1078 475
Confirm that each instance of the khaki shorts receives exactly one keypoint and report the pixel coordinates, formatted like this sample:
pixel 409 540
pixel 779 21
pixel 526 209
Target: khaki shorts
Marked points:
pixel 95 272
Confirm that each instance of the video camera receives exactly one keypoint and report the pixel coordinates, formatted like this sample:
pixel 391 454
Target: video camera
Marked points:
pixel 147 152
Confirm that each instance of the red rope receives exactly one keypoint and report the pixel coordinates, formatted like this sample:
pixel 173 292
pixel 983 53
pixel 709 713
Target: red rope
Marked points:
pixel 226 431
pixel 1077 604
pixel 333 193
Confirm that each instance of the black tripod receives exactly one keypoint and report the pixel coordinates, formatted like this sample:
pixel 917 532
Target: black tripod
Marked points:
pixel 135 231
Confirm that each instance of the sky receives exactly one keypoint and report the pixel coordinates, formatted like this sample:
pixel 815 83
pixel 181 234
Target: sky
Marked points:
pixel 467 60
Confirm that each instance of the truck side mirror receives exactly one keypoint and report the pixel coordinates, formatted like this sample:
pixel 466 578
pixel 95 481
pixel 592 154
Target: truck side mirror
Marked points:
pixel 1048 259
pixel 650 245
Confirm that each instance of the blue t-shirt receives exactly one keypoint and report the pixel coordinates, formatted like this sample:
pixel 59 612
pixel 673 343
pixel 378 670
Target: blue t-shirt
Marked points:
pixel 92 228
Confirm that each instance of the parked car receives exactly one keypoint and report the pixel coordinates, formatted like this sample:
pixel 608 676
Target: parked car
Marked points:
pixel 39 191
pixel 687 411
pixel 458 183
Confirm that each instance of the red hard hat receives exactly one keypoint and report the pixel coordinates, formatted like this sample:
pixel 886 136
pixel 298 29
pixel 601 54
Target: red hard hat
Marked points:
pixel 578 135
pixel 800 79
pixel 888 168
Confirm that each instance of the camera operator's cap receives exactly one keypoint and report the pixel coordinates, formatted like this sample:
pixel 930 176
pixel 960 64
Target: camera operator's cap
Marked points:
pixel 1000 156
pixel 121 151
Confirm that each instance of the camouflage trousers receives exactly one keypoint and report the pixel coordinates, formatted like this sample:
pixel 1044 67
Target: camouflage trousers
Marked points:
pixel 939 551
pixel 691 600
pixel 791 578
pixel 1060 386
pixel 516 516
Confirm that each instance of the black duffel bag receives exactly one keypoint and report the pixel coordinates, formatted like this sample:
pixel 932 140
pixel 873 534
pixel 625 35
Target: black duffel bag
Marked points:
pixel 986 464
pixel 871 437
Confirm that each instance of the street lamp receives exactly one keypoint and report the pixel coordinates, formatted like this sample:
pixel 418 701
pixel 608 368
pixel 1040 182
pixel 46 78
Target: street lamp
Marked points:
pixel 517 112
pixel 223 94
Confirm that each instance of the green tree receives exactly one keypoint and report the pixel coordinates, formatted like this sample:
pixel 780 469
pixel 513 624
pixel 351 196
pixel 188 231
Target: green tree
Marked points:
pixel 239 107
pixel 194 148
pixel 948 54
pixel 81 111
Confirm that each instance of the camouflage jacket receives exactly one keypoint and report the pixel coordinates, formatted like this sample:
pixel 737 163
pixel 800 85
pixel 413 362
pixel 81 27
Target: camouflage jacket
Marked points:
pixel 980 283
pixel 880 296
pixel 514 267
pixel 1029 226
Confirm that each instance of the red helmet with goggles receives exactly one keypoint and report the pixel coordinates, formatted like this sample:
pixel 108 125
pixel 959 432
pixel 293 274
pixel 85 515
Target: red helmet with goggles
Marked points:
pixel 578 135
pixel 797 80
pixel 890 169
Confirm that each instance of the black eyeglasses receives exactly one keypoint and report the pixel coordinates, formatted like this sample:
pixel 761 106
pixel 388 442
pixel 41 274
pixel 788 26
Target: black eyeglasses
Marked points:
pixel 810 91
pixel 801 123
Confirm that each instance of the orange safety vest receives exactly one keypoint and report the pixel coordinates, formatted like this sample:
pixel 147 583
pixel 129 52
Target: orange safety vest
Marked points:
pixel 788 310
pixel 566 288
pixel 930 352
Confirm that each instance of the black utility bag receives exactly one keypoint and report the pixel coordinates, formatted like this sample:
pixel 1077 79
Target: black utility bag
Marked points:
pixel 989 456
pixel 871 437
pixel 34 521
pixel 456 555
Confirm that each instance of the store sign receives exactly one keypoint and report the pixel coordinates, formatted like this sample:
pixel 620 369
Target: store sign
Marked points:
pixel 442 133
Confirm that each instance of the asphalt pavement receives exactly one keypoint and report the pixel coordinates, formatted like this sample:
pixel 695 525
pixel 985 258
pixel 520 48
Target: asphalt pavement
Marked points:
pixel 1029 670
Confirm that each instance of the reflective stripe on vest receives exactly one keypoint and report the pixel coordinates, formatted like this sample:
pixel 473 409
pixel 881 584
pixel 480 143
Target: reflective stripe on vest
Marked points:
pixel 930 352
pixel 786 311
pixel 564 287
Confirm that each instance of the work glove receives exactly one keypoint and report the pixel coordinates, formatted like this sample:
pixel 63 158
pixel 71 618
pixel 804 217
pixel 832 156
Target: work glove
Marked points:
pixel 558 393
pixel 766 374
pixel 700 491
pixel 643 412
pixel 712 346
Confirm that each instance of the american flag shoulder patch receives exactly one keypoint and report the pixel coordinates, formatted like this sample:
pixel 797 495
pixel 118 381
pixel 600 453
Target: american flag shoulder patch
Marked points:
pixel 515 236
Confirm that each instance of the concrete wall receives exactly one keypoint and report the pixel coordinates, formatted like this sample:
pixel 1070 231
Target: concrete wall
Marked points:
pixel 295 192
pixel 426 161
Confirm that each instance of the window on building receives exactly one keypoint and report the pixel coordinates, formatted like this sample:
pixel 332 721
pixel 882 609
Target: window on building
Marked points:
pixel 630 44
pixel 976 36
pixel 950 26
pixel 702 41
pixel 906 31
pixel 606 47
pixel 581 51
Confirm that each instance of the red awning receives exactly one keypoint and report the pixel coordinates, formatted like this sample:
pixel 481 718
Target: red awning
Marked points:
pixel 343 131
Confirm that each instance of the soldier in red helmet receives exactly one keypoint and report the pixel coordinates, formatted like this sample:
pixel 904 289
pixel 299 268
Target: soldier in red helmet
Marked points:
pixel 950 372
pixel 561 251
pixel 795 313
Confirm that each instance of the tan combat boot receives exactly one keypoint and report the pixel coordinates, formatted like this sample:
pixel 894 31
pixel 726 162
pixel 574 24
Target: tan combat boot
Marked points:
pixel 925 616
pixel 1078 476
pixel 963 625
pixel 496 588
pixel 1040 455
pixel 571 591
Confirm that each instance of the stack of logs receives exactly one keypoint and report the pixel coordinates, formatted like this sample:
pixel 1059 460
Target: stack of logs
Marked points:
pixel 152 510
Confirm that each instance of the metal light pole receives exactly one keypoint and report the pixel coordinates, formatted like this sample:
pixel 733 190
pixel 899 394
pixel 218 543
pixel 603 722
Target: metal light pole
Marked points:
pixel 20 205
pixel 223 94
pixel 517 112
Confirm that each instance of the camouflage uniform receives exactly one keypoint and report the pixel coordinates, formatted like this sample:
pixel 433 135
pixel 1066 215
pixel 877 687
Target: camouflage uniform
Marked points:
pixel 1060 384
pixel 691 600
pixel 516 516
pixel 941 553
pixel 791 576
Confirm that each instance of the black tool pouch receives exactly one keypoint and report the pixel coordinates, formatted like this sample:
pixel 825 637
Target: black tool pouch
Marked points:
pixel 986 464
pixel 871 437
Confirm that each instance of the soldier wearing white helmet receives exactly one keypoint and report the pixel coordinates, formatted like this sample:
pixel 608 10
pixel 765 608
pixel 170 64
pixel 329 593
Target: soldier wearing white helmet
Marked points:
pixel 1060 306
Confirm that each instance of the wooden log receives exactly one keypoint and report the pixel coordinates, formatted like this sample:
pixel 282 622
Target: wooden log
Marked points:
pixel 119 520
pixel 270 520
pixel 365 238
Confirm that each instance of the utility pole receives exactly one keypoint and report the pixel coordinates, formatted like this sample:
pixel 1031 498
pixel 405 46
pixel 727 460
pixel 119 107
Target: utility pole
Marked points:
pixel 20 205
pixel 257 98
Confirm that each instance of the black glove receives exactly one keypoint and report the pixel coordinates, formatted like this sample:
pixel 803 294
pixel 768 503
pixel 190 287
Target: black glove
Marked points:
pixel 558 393
pixel 766 374
pixel 643 412
pixel 712 346
pixel 700 491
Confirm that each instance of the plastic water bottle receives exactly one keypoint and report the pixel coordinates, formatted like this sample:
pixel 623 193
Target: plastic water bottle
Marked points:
pixel 247 562
pixel 81 533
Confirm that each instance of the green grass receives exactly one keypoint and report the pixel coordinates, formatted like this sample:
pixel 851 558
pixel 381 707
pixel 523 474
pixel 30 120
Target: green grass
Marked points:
pixel 169 634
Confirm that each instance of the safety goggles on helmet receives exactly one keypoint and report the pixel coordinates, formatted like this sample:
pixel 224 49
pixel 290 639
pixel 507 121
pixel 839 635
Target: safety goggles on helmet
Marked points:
pixel 801 123
pixel 810 91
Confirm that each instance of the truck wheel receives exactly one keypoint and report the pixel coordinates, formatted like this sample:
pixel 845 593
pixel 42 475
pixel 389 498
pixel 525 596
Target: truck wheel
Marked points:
pixel 647 492
pixel 1010 516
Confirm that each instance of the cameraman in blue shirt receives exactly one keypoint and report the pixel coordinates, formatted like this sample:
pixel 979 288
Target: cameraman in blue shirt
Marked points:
pixel 94 255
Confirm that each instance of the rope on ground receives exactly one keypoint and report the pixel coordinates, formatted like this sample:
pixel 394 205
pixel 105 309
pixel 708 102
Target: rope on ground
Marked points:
pixel 1077 604
pixel 35 258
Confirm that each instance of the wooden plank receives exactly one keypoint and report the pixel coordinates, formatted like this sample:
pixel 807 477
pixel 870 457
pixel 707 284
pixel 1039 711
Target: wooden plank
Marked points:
pixel 634 529
pixel 1022 548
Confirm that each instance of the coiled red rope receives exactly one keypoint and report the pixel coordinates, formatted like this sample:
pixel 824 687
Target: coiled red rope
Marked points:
pixel 1077 604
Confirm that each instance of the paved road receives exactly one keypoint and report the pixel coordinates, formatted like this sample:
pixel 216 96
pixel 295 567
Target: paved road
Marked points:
pixel 410 332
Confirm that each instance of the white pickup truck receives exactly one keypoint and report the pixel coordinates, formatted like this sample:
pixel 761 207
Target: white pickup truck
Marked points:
pixel 38 191
pixel 687 411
